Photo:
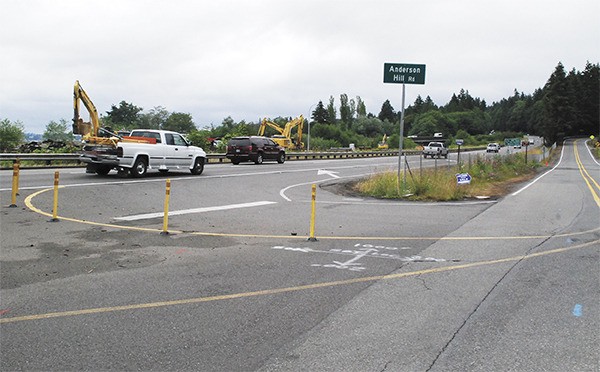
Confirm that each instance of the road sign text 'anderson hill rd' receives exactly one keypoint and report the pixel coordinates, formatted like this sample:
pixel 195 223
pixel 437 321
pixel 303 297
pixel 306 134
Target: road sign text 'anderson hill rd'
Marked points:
pixel 402 73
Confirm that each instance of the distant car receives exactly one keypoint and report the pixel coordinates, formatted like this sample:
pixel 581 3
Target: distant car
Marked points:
pixel 493 147
pixel 254 148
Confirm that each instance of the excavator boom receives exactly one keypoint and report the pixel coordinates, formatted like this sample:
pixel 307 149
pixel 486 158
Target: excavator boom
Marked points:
pixel 287 132
pixel 86 129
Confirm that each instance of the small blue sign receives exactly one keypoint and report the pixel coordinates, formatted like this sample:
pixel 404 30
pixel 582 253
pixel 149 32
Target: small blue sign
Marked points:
pixel 463 178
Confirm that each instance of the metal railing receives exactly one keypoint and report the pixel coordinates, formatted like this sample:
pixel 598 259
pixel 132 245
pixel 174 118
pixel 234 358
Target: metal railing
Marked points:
pixel 49 159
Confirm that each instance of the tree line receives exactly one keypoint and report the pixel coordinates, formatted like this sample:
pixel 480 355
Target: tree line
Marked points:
pixel 567 105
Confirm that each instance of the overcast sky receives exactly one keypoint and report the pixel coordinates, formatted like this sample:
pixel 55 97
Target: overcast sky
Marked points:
pixel 250 59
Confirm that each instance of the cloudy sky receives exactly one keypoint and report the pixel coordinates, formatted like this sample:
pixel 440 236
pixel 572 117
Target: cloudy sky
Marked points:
pixel 250 59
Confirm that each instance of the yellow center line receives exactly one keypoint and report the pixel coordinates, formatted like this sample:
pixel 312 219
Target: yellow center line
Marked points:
pixel 275 291
pixel 586 176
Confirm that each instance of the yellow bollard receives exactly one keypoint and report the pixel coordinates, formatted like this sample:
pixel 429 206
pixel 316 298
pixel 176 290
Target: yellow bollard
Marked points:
pixel 18 162
pixel 15 185
pixel 312 214
pixel 55 206
pixel 166 214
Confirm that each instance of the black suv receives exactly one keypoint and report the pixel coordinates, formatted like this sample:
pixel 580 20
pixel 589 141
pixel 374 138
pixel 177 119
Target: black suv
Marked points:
pixel 254 149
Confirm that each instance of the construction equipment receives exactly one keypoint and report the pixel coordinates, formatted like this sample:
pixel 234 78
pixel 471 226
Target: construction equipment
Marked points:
pixel 383 145
pixel 287 132
pixel 284 138
pixel 280 139
pixel 91 131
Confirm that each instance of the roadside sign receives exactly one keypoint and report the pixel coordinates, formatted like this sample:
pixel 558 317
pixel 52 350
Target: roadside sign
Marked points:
pixel 512 142
pixel 460 142
pixel 402 73
pixel 463 178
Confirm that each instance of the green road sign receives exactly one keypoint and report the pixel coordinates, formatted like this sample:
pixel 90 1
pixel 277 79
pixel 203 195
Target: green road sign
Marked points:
pixel 512 142
pixel 402 73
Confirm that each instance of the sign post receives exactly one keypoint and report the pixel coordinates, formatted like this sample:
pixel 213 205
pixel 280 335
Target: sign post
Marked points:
pixel 402 73
pixel 459 142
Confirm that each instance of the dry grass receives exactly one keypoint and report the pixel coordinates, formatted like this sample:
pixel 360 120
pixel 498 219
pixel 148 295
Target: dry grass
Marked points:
pixel 491 177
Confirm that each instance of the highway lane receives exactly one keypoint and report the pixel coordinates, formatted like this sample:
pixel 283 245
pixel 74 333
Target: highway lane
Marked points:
pixel 231 302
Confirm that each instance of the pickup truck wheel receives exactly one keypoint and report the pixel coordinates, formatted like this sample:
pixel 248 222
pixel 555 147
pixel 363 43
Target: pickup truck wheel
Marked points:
pixel 445 156
pixel 259 158
pixel 235 162
pixel 139 168
pixel 198 166
pixel 281 158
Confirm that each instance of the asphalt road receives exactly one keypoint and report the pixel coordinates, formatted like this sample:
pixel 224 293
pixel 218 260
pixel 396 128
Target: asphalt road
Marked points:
pixel 509 284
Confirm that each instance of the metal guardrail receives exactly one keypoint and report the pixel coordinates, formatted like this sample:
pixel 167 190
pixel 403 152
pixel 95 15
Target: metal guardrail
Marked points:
pixel 49 158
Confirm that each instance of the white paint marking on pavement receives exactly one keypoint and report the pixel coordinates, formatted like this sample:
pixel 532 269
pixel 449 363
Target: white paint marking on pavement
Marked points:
pixel 327 172
pixel 562 152
pixel 194 210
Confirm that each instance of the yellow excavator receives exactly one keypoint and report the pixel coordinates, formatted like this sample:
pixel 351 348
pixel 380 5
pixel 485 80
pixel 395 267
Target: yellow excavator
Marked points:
pixel 91 131
pixel 284 138
pixel 383 145
pixel 297 123
pixel 280 139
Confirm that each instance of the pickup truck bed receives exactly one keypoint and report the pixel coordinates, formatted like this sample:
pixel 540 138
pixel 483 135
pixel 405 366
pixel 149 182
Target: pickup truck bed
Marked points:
pixel 436 149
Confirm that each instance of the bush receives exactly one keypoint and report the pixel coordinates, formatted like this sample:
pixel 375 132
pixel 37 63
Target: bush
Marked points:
pixel 318 143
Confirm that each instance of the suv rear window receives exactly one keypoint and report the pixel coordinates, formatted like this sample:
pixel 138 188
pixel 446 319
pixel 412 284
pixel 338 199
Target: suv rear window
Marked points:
pixel 239 142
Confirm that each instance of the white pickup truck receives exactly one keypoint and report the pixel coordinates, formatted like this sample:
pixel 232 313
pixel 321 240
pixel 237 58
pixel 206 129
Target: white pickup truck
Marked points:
pixel 436 149
pixel 164 151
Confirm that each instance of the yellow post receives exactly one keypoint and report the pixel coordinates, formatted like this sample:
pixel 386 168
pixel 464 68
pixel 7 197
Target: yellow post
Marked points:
pixel 18 162
pixel 166 213
pixel 15 185
pixel 312 214
pixel 55 207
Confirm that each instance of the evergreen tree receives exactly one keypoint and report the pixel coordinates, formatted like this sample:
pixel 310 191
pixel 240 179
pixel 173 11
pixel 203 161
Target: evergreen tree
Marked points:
pixel 319 115
pixel 345 112
pixel 587 102
pixel 557 109
pixel 361 108
pixel 387 112
pixel 331 111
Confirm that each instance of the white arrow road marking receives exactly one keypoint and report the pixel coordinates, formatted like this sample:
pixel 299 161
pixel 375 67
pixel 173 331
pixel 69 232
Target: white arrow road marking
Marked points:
pixel 329 173
pixel 350 264
pixel 194 210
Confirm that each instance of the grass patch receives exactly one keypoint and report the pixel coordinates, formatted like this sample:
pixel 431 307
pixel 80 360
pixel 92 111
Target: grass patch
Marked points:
pixel 491 177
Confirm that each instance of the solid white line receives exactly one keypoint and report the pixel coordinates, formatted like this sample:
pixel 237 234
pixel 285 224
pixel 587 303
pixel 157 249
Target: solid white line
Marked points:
pixel 194 210
pixel 590 152
pixel 562 152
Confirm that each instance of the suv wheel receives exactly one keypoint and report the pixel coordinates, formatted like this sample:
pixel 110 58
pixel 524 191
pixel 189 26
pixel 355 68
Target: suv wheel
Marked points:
pixel 259 158
pixel 281 158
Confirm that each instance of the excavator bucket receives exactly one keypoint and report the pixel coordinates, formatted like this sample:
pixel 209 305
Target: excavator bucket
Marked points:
pixel 81 127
